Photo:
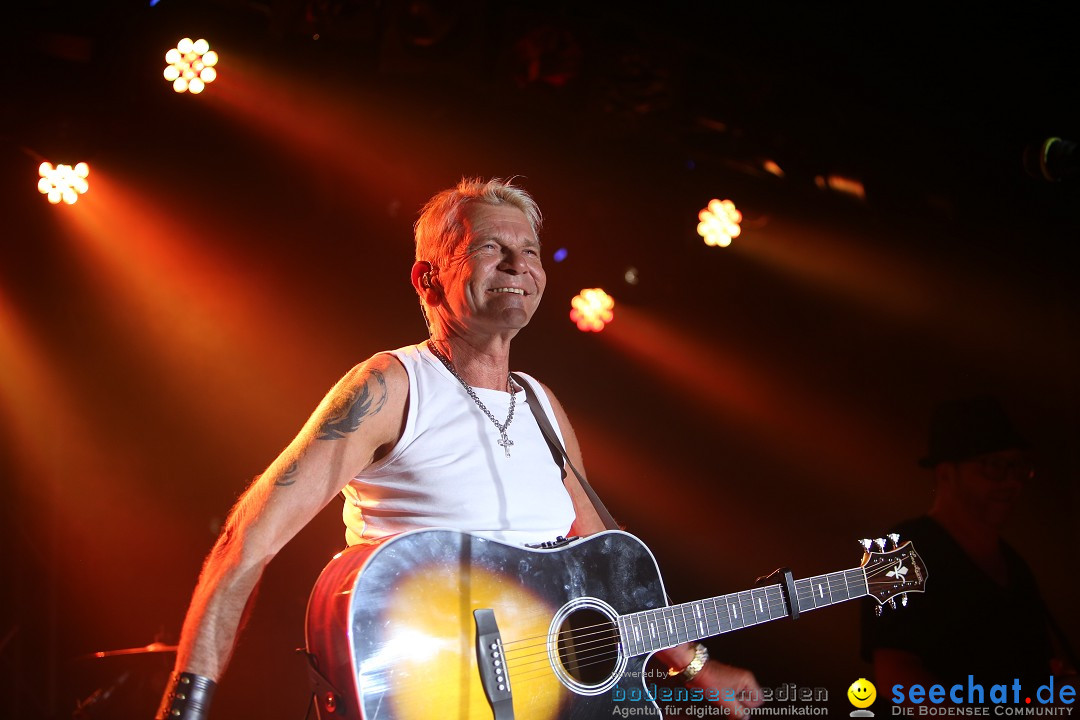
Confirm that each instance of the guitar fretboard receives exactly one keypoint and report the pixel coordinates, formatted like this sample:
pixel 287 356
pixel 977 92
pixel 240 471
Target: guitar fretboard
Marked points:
pixel 652 630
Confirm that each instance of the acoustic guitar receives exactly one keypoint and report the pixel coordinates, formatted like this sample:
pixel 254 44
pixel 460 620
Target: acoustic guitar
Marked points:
pixel 441 623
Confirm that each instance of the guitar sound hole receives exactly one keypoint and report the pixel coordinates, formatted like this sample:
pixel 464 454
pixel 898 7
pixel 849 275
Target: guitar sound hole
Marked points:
pixel 588 646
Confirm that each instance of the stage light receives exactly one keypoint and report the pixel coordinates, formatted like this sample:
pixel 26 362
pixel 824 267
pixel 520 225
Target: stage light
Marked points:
pixel 560 254
pixel 841 184
pixel 719 223
pixel 63 182
pixel 772 168
pixel 191 66
pixel 592 309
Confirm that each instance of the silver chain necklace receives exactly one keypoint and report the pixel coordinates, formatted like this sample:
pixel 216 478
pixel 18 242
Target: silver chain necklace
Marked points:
pixel 504 441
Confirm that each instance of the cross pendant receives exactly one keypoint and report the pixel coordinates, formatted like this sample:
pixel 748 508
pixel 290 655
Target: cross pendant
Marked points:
pixel 506 443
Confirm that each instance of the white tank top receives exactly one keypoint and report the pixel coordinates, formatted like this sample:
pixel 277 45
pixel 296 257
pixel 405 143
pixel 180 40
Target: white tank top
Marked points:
pixel 448 470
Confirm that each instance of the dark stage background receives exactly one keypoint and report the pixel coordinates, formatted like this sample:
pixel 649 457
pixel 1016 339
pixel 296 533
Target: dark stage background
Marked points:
pixel 750 407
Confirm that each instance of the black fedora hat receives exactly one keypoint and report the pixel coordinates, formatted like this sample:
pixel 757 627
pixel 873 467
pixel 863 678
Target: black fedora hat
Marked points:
pixel 969 427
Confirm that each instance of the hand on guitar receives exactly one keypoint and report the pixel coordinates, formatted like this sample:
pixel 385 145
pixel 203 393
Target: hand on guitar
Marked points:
pixel 737 688
pixel 715 674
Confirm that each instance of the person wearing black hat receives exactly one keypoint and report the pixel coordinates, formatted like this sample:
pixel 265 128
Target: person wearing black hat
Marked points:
pixel 981 614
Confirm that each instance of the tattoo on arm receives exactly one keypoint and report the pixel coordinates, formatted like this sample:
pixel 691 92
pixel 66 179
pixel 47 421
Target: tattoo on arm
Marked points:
pixel 289 476
pixel 358 404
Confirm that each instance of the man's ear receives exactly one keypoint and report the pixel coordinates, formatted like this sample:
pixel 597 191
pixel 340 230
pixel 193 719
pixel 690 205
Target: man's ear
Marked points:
pixel 423 280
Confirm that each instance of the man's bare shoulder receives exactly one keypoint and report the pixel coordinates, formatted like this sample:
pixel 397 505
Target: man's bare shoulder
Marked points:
pixel 373 393
pixel 381 367
pixel 555 404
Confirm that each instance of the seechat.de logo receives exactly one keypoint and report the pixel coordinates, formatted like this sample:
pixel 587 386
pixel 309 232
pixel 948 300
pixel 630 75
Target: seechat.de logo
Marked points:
pixel 862 694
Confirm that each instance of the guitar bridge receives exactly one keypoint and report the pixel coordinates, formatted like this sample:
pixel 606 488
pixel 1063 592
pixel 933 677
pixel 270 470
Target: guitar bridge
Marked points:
pixel 492 664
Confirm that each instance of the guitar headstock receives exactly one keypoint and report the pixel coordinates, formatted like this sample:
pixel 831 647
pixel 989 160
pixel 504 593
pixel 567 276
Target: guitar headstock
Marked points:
pixel 894 572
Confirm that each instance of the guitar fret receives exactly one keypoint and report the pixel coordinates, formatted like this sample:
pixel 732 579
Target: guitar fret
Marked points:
pixel 687 622
pixel 722 622
pixel 652 635
pixel 805 591
pixel 624 633
pixel 837 587
pixel 746 604
pixel 699 622
pixel 734 612
pixel 778 608
pixel 668 626
pixel 667 615
pixel 826 589
pixel 672 618
pixel 654 619
pixel 712 627
pixel 635 627
pixel 857 578
pixel 762 610
pixel 819 586
pixel 669 630
pixel 682 633
pixel 678 621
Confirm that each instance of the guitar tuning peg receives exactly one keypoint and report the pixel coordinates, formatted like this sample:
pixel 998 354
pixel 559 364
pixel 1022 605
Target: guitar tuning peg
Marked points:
pixel 866 543
pixel 877 611
pixel 892 603
pixel 880 542
pixel 895 537
pixel 903 599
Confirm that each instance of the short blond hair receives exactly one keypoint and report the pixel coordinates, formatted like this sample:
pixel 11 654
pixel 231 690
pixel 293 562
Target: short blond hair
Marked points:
pixel 441 225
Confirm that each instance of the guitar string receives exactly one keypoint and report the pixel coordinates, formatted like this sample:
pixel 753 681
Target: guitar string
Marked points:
pixel 587 645
pixel 606 628
pixel 711 617
pixel 601 650
pixel 682 623
pixel 773 603
pixel 539 671
pixel 776 610
pixel 597 655
pixel 806 592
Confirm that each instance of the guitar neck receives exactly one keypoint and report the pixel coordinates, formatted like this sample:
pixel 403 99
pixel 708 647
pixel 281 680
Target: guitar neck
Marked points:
pixel 651 630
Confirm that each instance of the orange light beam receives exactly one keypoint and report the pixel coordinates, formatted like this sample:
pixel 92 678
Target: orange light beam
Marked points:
pixel 371 149
pixel 816 431
pixel 33 407
pixel 205 317
pixel 968 311
pixel 659 509
pixel 52 440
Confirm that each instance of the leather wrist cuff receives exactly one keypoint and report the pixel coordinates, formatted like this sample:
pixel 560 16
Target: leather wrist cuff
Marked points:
pixel 187 697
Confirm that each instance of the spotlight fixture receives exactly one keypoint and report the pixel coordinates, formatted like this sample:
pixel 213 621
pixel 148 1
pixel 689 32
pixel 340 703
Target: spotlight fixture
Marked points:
pixel 63 182
pixel 719 223
pixel 191 66
pixel 592 309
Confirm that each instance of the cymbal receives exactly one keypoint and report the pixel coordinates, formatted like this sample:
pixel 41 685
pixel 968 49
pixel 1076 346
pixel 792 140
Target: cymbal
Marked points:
pixel 154 647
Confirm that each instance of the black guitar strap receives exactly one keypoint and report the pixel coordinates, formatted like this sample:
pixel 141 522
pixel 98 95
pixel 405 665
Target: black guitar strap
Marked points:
pixel 558 452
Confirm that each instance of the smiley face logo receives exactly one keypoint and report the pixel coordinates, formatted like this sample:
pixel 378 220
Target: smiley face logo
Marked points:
pixel 862 693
